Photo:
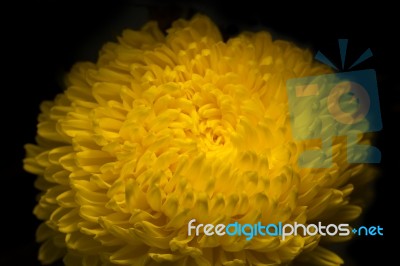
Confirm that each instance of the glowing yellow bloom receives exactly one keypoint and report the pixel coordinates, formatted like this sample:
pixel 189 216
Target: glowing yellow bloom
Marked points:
pixel 165 129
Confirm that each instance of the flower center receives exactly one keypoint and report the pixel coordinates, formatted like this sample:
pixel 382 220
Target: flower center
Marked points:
pixel 212 135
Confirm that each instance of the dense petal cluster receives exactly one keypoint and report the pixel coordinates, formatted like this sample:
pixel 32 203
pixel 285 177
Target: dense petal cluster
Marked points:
pixel 168 128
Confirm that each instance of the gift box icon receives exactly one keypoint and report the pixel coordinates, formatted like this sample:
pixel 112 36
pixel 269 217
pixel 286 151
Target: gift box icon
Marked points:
pixel 340 104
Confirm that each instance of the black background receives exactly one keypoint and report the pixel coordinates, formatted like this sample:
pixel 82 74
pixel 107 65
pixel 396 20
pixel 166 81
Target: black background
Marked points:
pixel 41 40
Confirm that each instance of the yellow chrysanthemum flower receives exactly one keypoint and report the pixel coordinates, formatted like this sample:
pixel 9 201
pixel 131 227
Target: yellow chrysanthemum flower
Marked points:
pixel 165 129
